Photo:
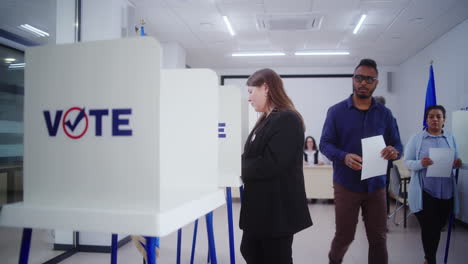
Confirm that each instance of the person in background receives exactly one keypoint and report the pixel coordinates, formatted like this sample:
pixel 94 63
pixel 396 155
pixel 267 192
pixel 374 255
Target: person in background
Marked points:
pixel 347 122
pixel 274 204
pixel 431 198
pixel 312 155
pixel 380 99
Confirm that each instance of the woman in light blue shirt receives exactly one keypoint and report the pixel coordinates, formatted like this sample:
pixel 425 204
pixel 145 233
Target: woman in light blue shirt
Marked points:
pixel 431 198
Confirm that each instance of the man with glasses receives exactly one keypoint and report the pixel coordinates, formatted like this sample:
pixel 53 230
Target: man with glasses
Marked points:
pixel 347 122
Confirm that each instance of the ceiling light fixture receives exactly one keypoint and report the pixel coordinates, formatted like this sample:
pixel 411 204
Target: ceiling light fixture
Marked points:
pixel 34 30
pixel 359 24
pixel 9 60
pixel 319 53
pixel 257 54
pixel 17 65
pixel 228 25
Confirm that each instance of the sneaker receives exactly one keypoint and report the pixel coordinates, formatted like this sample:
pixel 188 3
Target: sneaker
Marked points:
pixel 140 244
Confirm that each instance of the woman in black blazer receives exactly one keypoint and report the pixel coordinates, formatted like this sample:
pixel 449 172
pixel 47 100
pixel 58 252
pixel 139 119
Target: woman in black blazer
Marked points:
pixel 274 205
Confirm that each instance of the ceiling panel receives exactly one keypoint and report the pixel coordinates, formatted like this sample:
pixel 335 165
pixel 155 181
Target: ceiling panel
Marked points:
pixel 190 4
pixel 281 6
pixel 455 15
pixel 329 6
pixel 186 40
pixel 246 23
pixel 339 21
pixel 255 40
pixel 243 8
pixel 383 4
pixel 210 37
pixel 420 14
pixel 323 40
pixel 161 20
pixel 198 13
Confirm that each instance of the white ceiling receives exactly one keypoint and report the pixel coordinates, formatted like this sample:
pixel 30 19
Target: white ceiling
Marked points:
pixel 393 31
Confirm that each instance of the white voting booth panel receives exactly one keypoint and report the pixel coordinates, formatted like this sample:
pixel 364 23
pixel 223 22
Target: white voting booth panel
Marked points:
pixel 459 129
pixel 248 119
pixel 229 133
pixel 105 133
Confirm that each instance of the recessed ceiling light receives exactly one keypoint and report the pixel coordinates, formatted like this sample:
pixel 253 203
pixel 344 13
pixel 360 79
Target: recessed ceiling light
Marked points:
pixel 320 53
pixel 257 54
pixel 359 24
pixel 228 25
pixel 9 60
pixel 34 30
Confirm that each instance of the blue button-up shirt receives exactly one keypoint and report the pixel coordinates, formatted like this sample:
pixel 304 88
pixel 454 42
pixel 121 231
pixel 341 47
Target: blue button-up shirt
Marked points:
pixel 342 132
pixel 437 187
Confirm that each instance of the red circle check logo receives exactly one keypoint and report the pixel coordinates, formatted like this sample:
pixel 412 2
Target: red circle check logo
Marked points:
pixel 69 126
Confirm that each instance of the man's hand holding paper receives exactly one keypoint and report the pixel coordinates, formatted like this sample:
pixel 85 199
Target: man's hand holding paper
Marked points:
pixel 375 155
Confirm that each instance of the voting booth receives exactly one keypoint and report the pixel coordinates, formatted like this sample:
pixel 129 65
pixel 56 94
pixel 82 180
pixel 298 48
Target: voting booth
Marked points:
pixel 248 120
pixel 230 137
pixel 459 129
pixel 229 150
pixel 105 135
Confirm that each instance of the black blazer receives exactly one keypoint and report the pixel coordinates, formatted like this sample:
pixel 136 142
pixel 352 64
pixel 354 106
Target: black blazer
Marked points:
pixel 274 202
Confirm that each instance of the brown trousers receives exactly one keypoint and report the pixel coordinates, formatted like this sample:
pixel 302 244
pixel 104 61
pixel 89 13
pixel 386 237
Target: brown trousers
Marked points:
pixel 374 214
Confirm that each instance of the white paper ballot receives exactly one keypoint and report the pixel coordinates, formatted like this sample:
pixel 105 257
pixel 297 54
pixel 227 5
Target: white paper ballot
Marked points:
pixel 373 164
pixel 443 162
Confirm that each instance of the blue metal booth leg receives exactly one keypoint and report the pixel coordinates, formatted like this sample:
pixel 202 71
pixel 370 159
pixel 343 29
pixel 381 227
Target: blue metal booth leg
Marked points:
pixel 230 225
pixel 211 241
pixel 114 247
pixel 179 242
pixel 151 249
pixel 194 241
pixel 25 246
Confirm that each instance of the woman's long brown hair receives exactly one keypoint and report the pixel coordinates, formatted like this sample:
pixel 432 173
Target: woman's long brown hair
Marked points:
pixel 277 96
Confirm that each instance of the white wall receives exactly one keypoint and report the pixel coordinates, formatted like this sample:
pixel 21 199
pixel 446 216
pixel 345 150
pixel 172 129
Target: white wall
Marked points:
pixel 450 56
pixel 65 22
pixel 174 56
pixel 104 19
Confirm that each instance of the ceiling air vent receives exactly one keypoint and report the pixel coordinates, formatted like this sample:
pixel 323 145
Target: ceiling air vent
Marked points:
pixel 289 22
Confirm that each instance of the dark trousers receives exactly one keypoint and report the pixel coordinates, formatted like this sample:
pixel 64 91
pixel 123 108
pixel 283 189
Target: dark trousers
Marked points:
pixel 261 250
pixel 432 219
pixel 374 214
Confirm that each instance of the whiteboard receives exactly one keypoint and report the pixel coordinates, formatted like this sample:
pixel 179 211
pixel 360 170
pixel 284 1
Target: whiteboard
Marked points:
pixel 312 97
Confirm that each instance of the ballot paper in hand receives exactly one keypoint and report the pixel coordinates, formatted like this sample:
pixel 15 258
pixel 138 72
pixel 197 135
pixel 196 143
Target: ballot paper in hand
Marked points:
pixel 443 162
pixel 373 164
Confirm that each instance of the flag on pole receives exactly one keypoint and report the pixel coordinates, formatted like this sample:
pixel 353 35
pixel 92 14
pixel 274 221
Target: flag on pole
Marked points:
pixel 430 94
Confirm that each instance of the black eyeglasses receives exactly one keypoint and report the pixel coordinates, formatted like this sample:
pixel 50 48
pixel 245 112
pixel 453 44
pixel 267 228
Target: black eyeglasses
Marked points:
pixel 368 79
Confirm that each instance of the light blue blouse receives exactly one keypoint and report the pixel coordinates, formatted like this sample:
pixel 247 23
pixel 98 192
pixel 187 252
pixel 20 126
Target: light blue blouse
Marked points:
pixel 413 162
pixel 437 187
